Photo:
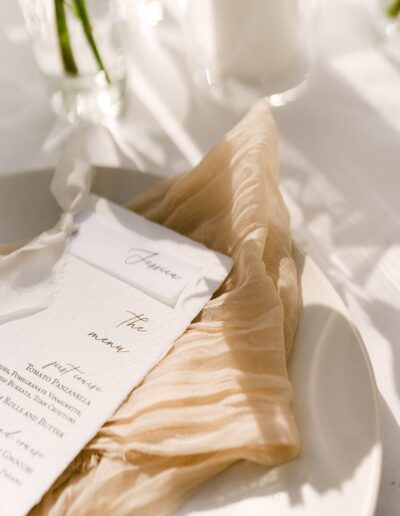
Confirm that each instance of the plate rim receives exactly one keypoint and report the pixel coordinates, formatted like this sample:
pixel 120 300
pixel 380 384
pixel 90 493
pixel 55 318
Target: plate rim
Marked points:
pixel 299 252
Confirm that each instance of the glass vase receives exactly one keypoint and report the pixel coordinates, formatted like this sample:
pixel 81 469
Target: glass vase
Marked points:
pixel 78 50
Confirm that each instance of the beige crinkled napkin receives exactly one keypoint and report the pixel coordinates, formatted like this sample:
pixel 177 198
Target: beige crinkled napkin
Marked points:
pixel 222 393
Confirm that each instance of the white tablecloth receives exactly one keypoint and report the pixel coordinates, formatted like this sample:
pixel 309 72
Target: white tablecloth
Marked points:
pixel 340 151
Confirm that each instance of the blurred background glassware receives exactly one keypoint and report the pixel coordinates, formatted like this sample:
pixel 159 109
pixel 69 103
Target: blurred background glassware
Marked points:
pixel 78 50
pixel 238 50
pixel 388 16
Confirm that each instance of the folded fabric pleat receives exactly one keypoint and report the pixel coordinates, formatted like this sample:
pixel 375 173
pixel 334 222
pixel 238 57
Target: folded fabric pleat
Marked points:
pixel 222 393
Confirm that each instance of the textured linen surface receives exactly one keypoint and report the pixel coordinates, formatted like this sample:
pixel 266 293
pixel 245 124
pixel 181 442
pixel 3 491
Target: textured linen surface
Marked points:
pixel 222 393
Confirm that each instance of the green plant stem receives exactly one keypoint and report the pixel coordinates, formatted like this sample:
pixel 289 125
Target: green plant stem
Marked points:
pixel 83 16
pixel 394 9
pixel 64 39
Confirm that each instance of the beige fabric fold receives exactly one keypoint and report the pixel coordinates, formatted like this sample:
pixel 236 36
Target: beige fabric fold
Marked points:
pixel 222 393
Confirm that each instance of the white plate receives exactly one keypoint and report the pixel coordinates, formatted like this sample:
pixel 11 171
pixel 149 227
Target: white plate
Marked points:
pixel 338 470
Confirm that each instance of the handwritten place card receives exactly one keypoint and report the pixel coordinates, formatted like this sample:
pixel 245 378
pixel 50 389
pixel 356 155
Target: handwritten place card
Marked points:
pixel 127 290
pixel 135 256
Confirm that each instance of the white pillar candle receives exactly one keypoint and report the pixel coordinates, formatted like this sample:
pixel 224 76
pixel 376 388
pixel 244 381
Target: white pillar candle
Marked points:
pixel 244 38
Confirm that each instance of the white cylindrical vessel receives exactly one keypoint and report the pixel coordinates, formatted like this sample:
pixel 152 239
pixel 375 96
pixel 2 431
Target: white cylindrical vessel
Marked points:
pixel 259 44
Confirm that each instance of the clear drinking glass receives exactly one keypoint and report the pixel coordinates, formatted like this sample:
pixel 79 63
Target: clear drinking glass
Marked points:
pixel 78 50
pixel 239 50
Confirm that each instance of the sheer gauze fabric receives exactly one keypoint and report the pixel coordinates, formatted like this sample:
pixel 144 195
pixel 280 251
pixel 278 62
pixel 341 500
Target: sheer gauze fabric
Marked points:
pixel 222 393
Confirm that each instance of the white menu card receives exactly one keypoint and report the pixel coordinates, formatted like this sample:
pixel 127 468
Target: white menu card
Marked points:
pixel 127 289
